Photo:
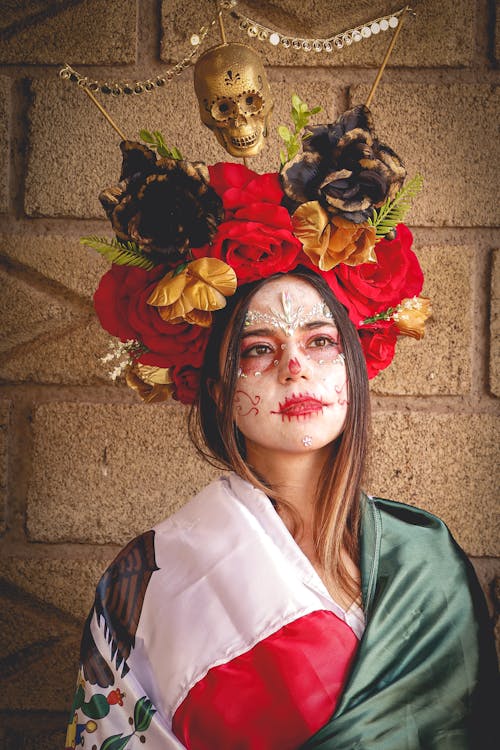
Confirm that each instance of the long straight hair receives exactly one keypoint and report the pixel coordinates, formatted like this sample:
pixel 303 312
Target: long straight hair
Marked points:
pixel 336 513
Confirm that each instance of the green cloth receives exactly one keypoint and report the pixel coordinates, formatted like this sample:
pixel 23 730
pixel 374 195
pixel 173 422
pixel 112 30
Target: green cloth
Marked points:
pixel 424 675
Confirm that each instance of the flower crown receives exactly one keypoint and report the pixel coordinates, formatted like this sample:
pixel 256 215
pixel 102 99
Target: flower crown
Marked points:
pixel 188 235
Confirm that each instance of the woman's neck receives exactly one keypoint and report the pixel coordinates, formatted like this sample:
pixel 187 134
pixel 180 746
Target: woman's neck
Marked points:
pixel 293 476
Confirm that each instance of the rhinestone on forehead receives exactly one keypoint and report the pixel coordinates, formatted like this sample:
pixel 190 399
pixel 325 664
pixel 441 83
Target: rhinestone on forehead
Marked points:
pixel 288 320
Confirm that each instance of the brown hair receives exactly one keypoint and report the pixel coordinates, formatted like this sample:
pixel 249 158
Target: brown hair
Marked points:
pixel 211 425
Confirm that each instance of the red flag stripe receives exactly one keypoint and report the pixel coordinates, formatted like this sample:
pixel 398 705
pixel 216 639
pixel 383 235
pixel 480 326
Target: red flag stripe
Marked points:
pixel 274 696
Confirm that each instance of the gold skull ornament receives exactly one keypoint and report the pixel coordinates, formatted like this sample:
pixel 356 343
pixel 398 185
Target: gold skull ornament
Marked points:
pixel 234 97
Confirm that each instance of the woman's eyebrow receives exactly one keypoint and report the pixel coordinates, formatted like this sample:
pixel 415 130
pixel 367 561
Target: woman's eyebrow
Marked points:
pixel 311 325
pixel 258 332
pixel 318 324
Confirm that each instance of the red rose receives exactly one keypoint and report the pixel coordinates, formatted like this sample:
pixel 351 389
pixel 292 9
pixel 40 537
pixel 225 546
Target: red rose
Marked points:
pixel 180 344
pixel 256 239
pixel 253 249
pixel 187 382
pixel 121 305
pixel 238 186
pixel 371 288
pixel 378 346
pixel 114 294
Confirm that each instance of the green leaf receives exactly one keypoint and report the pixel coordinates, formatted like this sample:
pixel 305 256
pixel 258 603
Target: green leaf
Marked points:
pixel 179 269
pixel 385 315
pixel 393 212
pixel 119 253
pixel 284 133
pixel 143 714
pixel 156 141
pixel 146 136
pixel 301 115
pixel 116 742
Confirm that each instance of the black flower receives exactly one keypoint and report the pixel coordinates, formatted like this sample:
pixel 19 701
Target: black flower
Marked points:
pixel 164 205
pixel 344 167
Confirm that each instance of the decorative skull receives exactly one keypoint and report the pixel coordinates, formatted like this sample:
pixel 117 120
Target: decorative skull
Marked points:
pixel 234 97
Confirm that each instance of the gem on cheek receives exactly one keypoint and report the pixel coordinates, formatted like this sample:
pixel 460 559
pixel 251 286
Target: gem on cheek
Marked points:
pixel 339 359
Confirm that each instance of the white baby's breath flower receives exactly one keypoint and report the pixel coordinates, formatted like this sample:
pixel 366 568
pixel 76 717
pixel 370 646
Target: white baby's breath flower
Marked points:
pixel 122 352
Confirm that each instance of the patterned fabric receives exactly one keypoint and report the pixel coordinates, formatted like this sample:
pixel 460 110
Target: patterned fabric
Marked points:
pixel 205 627
pixel 213 630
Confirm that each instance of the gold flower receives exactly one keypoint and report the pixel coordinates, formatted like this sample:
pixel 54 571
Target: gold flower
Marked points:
pixel 153 384
pixel 411 316
pixel 193 292
pixel 330 241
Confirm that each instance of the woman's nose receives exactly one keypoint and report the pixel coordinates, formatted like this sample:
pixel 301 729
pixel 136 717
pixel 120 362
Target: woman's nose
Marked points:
pixel 294 365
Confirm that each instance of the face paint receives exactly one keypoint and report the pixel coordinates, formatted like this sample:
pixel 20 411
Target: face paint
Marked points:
pixel 245 404
pixel 291 357
pixel 341 391
pixel 300 406
pixel 318 345
pixel 291 318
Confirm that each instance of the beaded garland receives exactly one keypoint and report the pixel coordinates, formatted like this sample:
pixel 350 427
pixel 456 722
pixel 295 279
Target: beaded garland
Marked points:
pixel 254 30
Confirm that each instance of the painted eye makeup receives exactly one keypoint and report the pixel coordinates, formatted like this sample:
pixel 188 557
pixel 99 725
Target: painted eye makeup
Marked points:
pixel 256 357
pixel 322 347
pixel 257 350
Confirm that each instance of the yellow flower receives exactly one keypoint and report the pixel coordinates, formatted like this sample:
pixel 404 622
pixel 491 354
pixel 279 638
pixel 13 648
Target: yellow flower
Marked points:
pixel 411 316
pixel 191 294
pixel 330 241
pixel 153 384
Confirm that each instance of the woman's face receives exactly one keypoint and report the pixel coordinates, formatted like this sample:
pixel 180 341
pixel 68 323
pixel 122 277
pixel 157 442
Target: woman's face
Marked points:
pixel 291 394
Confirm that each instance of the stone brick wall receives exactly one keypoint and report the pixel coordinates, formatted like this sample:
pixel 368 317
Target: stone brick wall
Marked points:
pixel 83 465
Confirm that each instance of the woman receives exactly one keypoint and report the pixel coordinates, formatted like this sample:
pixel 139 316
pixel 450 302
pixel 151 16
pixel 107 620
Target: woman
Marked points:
pixel 281 608
pixel 237 621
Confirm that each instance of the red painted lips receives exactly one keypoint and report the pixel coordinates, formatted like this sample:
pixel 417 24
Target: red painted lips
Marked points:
pixel 300 405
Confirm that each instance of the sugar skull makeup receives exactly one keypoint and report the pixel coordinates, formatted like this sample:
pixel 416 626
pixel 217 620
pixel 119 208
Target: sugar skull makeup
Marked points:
pixel 313 331
pixel 293 368
pixel 290 317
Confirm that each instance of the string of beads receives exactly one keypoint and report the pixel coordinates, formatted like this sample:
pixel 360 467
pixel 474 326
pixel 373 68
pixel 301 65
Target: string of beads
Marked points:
pixel 253 29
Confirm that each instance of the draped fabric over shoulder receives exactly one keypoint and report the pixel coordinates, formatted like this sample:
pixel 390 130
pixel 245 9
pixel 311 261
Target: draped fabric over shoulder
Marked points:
pixel 213 630
pixel 425 674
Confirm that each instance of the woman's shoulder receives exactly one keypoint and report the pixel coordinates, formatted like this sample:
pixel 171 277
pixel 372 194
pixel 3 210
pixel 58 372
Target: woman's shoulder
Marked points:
pixel 139 553
pixel 200 508
pixel 417 529
pixel 404 513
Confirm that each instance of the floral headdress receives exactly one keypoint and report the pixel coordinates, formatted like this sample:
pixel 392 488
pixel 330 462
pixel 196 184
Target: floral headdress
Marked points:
pixel 188 235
